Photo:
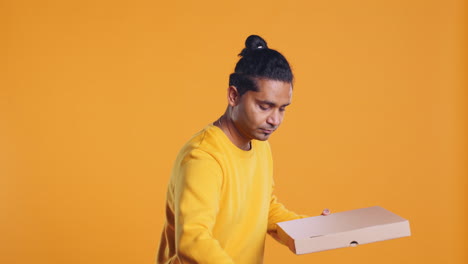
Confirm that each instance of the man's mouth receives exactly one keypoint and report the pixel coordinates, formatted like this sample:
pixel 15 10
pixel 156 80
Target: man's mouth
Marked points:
pixel 267 131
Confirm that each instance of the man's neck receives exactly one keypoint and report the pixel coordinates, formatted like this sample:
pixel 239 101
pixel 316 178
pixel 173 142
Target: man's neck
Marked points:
pixel 229 128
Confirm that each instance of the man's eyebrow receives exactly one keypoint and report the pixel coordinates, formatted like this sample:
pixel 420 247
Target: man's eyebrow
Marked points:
pixel 270 103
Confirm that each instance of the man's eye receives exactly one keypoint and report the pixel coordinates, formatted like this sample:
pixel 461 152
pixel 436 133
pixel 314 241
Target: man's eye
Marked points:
pixel 264 107
pixel 282 109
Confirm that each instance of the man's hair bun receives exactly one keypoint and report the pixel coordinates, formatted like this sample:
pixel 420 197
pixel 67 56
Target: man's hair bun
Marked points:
pixel 259 61
pixel 252 43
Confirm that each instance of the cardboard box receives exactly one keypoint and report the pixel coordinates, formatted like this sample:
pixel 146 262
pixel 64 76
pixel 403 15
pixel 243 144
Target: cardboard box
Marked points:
pixel 344 229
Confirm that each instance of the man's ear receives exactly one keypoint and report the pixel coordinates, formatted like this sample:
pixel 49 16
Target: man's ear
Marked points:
pixel 233 96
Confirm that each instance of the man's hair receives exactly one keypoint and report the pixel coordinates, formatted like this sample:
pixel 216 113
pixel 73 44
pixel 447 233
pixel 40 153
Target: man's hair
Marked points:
pixel 258 61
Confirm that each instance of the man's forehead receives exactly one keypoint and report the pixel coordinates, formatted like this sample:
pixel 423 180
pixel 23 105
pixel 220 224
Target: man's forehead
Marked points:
pixel 273 91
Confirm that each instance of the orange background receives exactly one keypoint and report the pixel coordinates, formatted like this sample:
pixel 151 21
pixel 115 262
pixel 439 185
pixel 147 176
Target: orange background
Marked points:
pixel 97 97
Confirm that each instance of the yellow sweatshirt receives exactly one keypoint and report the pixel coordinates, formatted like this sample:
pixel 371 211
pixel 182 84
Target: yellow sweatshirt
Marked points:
pixel 219 202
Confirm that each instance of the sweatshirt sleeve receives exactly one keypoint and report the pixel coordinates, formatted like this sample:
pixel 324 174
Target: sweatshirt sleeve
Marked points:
pixel 197 195
pixel 278 213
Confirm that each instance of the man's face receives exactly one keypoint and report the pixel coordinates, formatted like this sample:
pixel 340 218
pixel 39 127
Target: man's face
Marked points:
pixel 258 114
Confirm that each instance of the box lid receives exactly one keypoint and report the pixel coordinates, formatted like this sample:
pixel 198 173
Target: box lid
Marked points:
pixel 339 222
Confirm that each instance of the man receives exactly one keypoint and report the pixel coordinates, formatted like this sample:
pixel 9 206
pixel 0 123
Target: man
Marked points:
pixel 219 200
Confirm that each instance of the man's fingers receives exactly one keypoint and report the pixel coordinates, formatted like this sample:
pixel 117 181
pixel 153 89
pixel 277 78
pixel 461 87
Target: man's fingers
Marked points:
pixel 326 211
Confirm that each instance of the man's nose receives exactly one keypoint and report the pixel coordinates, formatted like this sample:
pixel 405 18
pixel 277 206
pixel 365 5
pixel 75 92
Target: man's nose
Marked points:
pixel 275 118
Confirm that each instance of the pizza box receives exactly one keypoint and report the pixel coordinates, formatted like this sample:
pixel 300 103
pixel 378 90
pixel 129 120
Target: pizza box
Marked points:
pixel 343 229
